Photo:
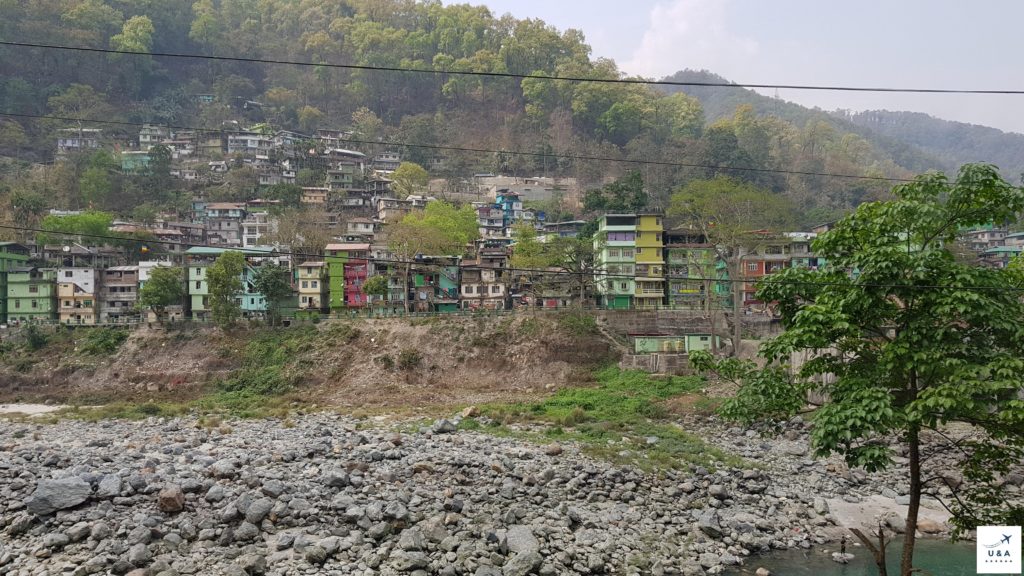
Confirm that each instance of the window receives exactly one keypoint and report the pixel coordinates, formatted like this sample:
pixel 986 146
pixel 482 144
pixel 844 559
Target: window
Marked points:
pixel 657 236
pixel 705 338
pixel 305 284
pixel 751 266
pixel 658 250
pixel 35 304
pixel 67 273
pixel 623 286
pixel 199 271
pixel 199 285
pixel 33 289
pixel 639 250
pixel 495 289
pixel 613 253
pixel 313 284
pixel 67 303
pixel 305 299
pixel 17 303
pixel 87 303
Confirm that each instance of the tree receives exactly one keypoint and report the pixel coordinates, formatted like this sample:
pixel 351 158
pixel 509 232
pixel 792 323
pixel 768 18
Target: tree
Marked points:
pixel 910 343
pixel 735 218
pixel 626 194
pixel 225 280
pixel 376 286
pixel 165 287
pixel 274 283
pixel 409 178
pixel 290 195
pixel 86 224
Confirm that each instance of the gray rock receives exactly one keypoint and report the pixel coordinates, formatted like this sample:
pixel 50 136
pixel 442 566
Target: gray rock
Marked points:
pixel 522 564
pixel 273 488
pixel 708 523
pixel 56 540
pixel 258 510
pixel 215 494
pixel 412 539
pixel 316 555
pixel 80 531
pixel 139 555
pixel 718 492
pixel 53 495
pixel 521 540
pixel 821 506
pixel 252 564
pixel 225 468
pixel 109 486
pixel 246 531
pixel 336 479
pixel 443 426
pixel 100 531
pixel 407 561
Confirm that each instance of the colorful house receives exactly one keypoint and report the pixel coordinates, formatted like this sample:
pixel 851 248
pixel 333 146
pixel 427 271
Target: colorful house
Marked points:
pixel 12 255
pixel 434 284
pixel 198 260
pixel 650 261
pixel 311 280
pixel 615 260
pixel 119 294
pixel 347 269
pixel 691 264
pixel 78 295
pixel 31 294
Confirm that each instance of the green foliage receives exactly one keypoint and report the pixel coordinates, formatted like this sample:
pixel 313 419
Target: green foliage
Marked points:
pixel 290 195
pixel 91 223
pixel 409 359
pixel 409 178
pixel 165 287
pixel 578 323
pixel 440 229
pixel 376 286
pixel 625 195
pixel 900 355
pixel 35 337
pixel 764 394
pixel 269 368
pixel 225 280
pixel 614 419
pixel 102 341
pixel 274 283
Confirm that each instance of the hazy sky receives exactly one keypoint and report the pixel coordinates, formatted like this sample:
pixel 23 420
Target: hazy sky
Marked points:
pixel 888 43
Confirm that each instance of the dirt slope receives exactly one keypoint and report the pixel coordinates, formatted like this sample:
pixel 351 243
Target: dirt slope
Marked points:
pixel 362 363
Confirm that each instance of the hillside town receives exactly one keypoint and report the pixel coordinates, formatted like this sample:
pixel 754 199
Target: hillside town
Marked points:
pixel 635 261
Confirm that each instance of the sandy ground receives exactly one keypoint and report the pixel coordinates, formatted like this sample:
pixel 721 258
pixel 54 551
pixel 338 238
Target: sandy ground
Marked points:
pixel 30 409
pixel 864 514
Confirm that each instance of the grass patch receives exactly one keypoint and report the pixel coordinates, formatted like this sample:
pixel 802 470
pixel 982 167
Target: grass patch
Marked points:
pixel 614 420
pixel 578 323
pixel 102 341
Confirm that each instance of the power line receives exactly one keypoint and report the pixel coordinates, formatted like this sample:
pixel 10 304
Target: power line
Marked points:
pixel 364 67
pixel 576 157
pixel 588 274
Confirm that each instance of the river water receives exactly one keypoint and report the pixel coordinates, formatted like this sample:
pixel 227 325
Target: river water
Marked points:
pixel 934 557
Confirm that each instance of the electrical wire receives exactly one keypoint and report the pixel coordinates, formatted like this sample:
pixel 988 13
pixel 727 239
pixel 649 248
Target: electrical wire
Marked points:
pixel 588 273
pixel 576 157
pixel 364 67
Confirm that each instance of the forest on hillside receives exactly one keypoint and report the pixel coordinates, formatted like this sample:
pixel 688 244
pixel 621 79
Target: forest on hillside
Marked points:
pixel 415 112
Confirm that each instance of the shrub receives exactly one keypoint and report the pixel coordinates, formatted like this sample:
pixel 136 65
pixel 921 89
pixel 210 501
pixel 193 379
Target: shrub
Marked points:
pixel 386 361
pixel 34 337
pixel 409 359
pixel 579 323
pixel 100 341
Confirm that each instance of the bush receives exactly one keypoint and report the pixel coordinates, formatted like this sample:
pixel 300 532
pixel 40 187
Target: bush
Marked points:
pixel 34 337
pixel 579 323
pixel 409 359
pixel 387 362
pixel 100 341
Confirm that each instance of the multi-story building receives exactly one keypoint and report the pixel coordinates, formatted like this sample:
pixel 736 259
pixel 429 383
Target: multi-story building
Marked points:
pixel 314 195
pixel 311 281
pixel 387 161
pixel 31 294
pixel 347 268
pixel 12 255
pixel 434 284
pixel 119 294
pixel 223 223
pixel 363 227
pixel 490 220
pixel 174 312
pixel 248 143
pixel 151 134
pixel 198 261
pixel 650 261
pixel 256 226
pixel 73 140
pixel 485 279
pixel 984 238
pixel 343 176
pixel 78 296
pixel 615 260
pixel 693 274
pixel 771 254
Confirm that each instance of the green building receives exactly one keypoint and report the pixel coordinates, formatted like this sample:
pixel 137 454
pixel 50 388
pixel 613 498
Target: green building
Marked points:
pixel 198 261
pixel 339 257
pixel 681 344
pixel 12 255
pixel 31 294
pixel 615 260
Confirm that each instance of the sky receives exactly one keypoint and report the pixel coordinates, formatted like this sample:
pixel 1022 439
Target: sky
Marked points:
pixel 877 43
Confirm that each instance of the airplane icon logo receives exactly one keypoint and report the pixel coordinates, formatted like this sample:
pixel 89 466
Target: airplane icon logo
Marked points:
pixel 1004 542
pixel 999 550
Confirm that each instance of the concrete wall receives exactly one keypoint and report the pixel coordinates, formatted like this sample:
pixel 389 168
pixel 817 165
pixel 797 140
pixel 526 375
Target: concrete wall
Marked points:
pixel 675 364
pixel 676 322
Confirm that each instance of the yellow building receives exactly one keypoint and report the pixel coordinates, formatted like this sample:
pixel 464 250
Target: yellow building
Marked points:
pixel 311 278
pixel 650 261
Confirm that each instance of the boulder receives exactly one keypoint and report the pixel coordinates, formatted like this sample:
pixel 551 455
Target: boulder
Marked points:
pixel 171 499
pixel 53 495
pixel 522 564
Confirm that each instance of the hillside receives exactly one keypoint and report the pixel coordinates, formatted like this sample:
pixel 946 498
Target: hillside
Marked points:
pixel 915 141
pixel 424 115
pixel 394 363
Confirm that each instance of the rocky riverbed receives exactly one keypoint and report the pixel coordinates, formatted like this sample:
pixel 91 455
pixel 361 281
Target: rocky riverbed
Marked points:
pixel 322 495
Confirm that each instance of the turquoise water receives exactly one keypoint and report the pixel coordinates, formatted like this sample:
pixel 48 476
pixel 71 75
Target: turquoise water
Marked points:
pixel 935 558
